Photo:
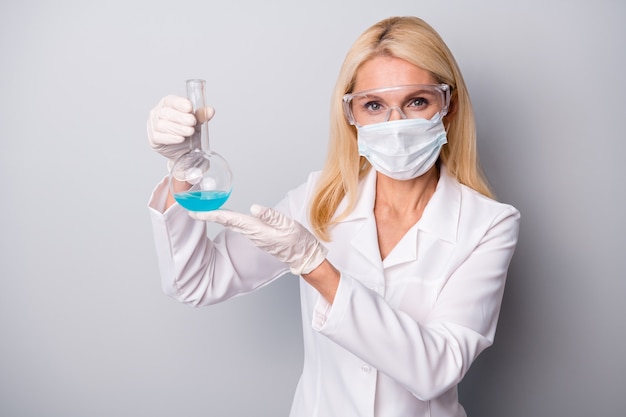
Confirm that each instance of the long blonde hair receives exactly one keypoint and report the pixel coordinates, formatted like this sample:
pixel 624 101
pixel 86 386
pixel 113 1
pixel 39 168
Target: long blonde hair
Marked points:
pixel 413 40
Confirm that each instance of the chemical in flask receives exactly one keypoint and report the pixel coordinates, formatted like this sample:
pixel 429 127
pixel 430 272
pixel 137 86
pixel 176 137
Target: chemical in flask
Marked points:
pixel 202 200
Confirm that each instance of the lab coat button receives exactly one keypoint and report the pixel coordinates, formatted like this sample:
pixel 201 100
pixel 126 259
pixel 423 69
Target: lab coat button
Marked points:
pixel 366 369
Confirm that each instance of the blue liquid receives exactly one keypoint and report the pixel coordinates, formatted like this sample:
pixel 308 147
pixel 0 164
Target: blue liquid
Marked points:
pixel 202 200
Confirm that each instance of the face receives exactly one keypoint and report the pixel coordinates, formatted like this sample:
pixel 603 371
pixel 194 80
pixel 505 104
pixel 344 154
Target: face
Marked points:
pixel 380 72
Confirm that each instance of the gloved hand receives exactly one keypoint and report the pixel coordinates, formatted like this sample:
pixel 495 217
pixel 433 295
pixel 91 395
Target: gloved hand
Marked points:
pixel 275 233
pixel 170 122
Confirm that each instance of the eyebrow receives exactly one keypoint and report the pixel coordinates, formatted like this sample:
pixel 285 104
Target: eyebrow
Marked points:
pixel 378 95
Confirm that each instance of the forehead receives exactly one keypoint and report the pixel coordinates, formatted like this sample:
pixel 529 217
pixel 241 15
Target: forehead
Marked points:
pixel 386 71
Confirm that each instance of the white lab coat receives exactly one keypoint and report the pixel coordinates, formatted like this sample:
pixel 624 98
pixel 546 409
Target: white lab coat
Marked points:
pixel 402 332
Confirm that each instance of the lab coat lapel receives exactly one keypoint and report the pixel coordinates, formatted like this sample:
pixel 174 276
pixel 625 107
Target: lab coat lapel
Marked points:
pixel 404 251
pixel 365 241
pixel 442 213
pixel 436 231
pixel 365 238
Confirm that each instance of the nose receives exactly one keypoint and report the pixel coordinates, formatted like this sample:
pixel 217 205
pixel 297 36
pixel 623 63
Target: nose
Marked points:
pixel 397 115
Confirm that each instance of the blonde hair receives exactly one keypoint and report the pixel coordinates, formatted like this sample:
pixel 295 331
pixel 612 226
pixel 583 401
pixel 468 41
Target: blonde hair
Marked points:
pixel 413 40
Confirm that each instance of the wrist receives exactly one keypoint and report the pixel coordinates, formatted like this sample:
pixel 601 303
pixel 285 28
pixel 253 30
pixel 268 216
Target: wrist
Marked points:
pixel 325 279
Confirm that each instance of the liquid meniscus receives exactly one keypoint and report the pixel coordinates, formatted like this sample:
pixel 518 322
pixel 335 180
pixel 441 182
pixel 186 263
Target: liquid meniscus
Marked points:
pixel 202 200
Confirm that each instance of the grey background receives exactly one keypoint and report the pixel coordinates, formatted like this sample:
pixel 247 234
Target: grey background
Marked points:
pixel 84 327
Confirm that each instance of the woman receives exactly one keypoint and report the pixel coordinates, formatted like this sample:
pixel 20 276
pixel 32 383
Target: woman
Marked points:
pixel 402 251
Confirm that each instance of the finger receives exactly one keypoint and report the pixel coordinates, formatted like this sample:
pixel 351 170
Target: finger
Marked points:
pixel 172 128
pixel 174 115
pixel 164 133
pixel 257 210
pixel 215 216
pixel 205 114
pixel 227 218
pixel 181 104
pixel 270 216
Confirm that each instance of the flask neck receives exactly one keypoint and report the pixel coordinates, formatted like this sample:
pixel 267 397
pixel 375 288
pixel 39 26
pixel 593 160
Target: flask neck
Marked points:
pixel 199 140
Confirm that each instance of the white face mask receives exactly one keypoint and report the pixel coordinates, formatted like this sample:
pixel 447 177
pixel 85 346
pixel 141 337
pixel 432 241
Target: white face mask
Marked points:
pixel 402 149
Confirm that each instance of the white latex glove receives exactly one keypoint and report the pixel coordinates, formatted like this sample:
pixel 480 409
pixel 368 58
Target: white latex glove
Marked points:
pixel 275 233
pixel 170 122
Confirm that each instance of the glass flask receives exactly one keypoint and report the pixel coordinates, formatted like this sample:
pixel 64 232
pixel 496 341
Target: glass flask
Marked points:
pixel 207 175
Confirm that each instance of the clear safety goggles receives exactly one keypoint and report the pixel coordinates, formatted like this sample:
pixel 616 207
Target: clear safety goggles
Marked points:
pixel 416 101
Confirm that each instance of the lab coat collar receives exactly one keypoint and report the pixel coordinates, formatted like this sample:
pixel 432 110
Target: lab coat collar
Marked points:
pixel 364 207
pixel 441 215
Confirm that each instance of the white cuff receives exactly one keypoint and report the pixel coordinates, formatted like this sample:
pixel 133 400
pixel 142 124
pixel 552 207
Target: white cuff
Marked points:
pixel 327 317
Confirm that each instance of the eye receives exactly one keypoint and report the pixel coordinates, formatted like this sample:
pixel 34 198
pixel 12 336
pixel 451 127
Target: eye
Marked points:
pixel 418 103
pixel 372 106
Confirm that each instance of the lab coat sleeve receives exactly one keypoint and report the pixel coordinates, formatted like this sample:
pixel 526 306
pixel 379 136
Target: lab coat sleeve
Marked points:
pixel 198 271
pixel 430 357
